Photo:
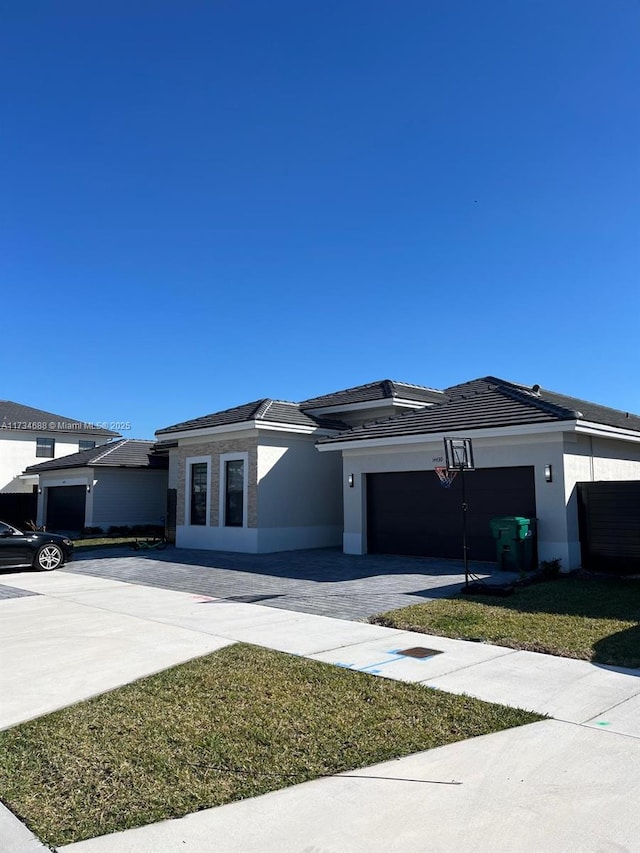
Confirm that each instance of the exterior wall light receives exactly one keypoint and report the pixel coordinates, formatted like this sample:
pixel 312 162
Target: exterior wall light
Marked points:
pixel 548 473
pixel 351 481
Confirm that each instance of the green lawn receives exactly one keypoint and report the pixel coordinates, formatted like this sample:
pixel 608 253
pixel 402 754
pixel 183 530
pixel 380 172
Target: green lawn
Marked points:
pixel 233 724
pixel 595 619
pixel 105 541
pixel 108 541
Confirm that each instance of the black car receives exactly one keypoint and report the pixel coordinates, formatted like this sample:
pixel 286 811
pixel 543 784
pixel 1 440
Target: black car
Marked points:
pixel 43 551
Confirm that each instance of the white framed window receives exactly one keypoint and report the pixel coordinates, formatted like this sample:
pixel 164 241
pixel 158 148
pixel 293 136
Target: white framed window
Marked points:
pixel 234 489
pixel 45 447
pixel 197 491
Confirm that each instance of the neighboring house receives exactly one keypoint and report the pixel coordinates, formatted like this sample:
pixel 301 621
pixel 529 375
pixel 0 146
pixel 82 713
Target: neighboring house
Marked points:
pixel 251 478
pixel 120 483
pixel 29 436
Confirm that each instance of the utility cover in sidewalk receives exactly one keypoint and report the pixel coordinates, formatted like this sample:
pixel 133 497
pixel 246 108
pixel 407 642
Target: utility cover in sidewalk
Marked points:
pixel 419 652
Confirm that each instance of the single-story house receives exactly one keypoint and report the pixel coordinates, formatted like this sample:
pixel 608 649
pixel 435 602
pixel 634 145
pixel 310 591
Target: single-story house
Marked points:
pixel 356 468
pixel 120 483
pixel 251 479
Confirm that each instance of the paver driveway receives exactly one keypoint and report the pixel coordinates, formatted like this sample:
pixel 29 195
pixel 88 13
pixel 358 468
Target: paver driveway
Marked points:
pixel 323 581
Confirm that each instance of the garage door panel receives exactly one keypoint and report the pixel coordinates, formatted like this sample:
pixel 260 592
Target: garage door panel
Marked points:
pixel 411 513
pixel 66 507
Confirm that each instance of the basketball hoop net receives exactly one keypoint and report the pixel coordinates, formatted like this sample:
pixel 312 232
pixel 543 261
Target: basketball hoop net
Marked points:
pixel 445 476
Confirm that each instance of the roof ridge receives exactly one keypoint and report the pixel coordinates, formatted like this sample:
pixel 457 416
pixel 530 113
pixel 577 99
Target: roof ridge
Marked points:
pixel 390 388
pixel 421 387
pixel 532 399
pixel 268 402
pixel 579 400
pixel 262 408
pixel 118 443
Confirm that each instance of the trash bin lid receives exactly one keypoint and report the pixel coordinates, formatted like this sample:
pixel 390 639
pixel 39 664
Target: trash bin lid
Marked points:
pixel 511 519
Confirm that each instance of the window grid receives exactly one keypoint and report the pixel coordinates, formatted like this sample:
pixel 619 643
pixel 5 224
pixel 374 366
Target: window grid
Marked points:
pixel 199 489
pixel 45 447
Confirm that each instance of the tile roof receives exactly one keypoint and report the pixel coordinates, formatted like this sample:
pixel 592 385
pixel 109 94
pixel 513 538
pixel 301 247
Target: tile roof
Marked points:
pixel 488 403
pixel 20 417
pixel 385 389
pixel 266 410
pixel 126 453
pixel 586 411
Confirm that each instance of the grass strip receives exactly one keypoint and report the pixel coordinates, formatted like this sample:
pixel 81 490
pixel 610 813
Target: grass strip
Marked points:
pixel 110 541
pixel 234 724
pixel 595 619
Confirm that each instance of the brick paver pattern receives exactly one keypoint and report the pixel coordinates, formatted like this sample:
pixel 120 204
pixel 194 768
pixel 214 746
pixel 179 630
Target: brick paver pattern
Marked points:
pixel 323 581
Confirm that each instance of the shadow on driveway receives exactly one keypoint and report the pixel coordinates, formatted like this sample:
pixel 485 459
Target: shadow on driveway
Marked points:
pixel 321 581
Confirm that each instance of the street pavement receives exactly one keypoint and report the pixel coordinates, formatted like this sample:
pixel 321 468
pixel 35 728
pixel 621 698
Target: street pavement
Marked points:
pixel 564 784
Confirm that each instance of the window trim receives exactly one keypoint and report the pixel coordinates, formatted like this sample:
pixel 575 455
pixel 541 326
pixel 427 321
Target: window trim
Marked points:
pixel 189 462
pixel 234 457
pixel 46 438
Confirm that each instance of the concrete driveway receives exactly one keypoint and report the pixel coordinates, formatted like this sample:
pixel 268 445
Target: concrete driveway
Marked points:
pixel 323 581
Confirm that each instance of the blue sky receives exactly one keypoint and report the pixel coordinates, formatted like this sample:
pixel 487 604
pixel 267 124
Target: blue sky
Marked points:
pixel 206 203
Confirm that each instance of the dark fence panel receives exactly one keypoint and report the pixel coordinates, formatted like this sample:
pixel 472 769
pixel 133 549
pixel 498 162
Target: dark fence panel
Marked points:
pixel 18 507
pixel 170 524
pixel 609 515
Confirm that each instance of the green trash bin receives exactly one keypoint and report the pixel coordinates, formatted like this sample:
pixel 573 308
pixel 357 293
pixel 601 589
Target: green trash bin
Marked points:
pixel 515 539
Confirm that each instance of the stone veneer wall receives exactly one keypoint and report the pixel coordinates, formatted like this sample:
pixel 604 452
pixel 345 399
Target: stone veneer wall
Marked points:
pixel 214 449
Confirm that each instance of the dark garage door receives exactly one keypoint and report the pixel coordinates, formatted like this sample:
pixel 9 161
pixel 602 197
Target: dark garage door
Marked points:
pixel 411 513
pixel 66 507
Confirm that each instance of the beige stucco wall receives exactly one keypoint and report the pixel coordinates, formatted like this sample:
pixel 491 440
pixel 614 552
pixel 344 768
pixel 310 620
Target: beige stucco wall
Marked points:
pixel 297 486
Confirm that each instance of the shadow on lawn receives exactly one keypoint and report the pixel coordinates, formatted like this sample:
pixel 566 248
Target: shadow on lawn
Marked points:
pixel 615 599
pixel 622 648
pixel 593 598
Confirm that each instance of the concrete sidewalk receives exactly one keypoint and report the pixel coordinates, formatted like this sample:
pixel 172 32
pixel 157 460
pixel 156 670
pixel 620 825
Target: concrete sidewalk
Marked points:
pixel 54 637
pixel 549 787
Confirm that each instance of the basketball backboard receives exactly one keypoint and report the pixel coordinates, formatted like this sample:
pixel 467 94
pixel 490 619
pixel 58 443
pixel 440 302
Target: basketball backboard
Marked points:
pixel 458 454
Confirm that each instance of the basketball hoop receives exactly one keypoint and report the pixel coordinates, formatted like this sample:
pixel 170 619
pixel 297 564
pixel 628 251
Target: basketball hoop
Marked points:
pixel 445 476
pixel 458 454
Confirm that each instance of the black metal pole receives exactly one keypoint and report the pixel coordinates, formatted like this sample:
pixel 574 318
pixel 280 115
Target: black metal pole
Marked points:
pixel 464 532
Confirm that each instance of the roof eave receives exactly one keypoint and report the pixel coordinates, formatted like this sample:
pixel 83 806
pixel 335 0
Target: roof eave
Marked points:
pixel 439 435
pixel 398 402
pixel 253 425
pixel 606 431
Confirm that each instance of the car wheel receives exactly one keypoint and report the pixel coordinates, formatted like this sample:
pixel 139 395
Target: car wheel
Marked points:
pixel 48 558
